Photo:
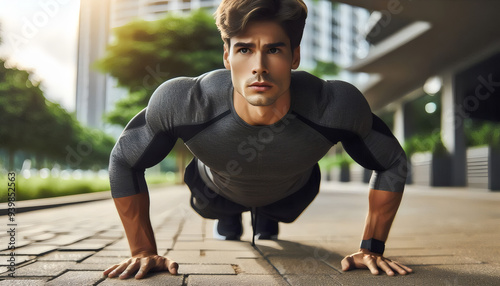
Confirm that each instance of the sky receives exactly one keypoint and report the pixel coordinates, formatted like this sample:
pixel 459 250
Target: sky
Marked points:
pixel 42 36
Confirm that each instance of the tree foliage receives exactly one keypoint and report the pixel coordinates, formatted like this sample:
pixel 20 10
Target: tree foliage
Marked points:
pixel 323 69
pixel 36 126
pixel 146 53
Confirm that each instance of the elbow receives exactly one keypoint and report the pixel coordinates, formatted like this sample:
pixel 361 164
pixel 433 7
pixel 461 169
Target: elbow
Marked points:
pixel 392 179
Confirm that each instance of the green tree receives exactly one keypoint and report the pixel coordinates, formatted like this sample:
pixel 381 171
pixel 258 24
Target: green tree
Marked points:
pixel 21 109
pixel 43 129
pixel 146 53
pixel 323 69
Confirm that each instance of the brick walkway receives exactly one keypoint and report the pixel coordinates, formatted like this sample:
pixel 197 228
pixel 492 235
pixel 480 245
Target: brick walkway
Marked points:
pixel 449 237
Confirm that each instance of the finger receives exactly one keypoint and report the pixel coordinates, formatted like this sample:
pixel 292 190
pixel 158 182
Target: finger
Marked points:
pixel 132 268
pixel 347 263
pixel 404 267
pixel 385 267
pixel 109 269
pixel 172 266
pixel 395 266
pixel 369 261
pixel 118 270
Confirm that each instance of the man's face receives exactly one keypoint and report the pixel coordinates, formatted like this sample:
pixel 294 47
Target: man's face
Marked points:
pixel 260 59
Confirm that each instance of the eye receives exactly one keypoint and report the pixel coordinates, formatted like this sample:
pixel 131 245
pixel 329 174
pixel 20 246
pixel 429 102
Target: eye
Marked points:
pixel 274 50
pixel 244 51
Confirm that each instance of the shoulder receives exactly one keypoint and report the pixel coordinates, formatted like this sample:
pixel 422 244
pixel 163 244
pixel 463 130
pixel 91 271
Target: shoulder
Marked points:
pixel 181 89
pixel 346 96
pixel 188 100
pixel 332 103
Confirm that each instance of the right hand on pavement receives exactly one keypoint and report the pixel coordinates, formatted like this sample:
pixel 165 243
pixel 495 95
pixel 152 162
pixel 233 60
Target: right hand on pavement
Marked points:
pixel 142 264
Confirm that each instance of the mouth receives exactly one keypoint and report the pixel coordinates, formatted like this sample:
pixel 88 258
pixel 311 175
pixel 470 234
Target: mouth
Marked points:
pixel 260 86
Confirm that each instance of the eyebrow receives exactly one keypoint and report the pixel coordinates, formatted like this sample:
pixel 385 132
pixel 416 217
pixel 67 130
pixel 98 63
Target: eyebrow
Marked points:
pixel 252 45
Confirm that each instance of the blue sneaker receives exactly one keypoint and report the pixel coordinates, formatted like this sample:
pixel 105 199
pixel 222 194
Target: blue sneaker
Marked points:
pixel 229 228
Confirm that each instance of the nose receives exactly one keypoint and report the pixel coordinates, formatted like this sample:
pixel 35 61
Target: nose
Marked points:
pixel 260 65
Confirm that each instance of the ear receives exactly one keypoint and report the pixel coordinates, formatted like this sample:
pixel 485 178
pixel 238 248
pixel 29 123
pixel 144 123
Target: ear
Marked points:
pixel 227 65
pixel 296 58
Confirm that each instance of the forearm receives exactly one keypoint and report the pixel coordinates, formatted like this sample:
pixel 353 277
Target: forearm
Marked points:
pixel 383 206
pixel 134 214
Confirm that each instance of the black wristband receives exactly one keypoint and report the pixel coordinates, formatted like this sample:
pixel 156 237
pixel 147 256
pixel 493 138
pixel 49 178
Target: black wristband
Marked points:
pixel 373 245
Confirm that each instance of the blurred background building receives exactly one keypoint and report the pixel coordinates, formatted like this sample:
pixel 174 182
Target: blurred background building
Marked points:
pixel 334 33
pixel 91 85
pixel 435 67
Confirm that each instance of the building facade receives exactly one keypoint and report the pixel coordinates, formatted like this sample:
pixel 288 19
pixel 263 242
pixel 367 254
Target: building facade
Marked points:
pixel 335 33
pixel 90 84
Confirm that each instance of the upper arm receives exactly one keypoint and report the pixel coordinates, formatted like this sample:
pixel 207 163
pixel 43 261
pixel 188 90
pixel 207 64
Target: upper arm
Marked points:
pixel 380 151
pixel 370 142
pixel 145 142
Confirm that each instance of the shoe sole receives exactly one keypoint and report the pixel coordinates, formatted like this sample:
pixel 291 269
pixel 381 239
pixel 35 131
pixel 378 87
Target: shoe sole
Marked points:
pixel 266 237
pixel 218 236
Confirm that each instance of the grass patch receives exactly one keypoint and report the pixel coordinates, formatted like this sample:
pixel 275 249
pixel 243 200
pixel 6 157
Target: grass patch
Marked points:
pixel 36 187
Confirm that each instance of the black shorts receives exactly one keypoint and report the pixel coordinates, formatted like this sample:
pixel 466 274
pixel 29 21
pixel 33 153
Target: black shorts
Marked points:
pixel 211 205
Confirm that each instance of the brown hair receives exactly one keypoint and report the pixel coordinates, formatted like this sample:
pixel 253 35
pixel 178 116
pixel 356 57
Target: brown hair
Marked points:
pixel 233 16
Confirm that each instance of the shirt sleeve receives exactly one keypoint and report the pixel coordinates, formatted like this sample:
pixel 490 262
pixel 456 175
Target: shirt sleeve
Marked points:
pixel 144 143
pixel 380 151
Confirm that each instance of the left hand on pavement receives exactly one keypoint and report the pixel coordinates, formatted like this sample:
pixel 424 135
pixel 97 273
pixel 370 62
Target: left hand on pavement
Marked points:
pixel 365 259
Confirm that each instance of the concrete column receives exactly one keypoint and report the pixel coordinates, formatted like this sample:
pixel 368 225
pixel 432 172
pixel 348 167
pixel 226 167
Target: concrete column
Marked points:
pixel 402 131
pixel 452 129
pixel 399 123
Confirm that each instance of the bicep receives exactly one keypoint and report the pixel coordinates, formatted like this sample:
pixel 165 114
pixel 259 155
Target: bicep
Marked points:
pixel 140 146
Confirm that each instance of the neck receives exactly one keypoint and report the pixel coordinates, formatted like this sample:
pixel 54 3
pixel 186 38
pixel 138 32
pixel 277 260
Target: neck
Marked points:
pixel 261 115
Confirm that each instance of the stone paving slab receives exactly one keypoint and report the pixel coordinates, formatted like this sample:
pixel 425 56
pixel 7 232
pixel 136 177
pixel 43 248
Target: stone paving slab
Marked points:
pixel 214 245
pixel 32 249
pixel 121 244
pixel 436 260
pixel 65 239
pixel 291 264
pixel 395 252
pixel 19 243
pixel 113 253
pixel 312 280
pixel 88 244
pixel 41 236
pixel 90 266
pixel 190 237
pixel 153 279
pixel 19 259
pixel 211 269
pixel 110 234
pixel 255 266
pixel 25 281
pixel 361 278
pixel 210 256
pixel 76 256
pixel 43 268
pixel 314 258
pixel 103 259
pixel 78 278
pixel 227 280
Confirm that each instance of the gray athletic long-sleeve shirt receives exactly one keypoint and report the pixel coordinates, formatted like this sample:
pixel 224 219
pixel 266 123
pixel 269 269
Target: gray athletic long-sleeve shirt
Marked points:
pixel 255 165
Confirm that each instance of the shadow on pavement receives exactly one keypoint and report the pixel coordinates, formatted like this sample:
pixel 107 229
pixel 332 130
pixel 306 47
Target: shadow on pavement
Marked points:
pixel 302 263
